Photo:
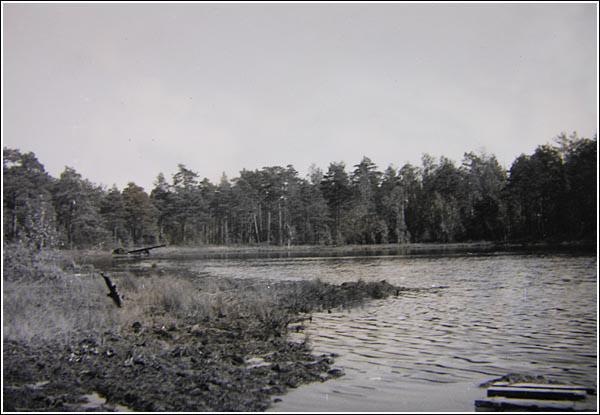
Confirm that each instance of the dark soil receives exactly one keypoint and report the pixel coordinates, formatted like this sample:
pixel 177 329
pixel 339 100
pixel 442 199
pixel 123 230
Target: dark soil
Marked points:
pixel 158 369
pixel 225 364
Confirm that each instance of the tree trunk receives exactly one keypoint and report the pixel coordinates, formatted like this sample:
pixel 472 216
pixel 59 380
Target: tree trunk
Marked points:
pixel 337 225
pixel 280 226
pixel 14 218
pixel 269 227
pixel 260 220
pixel 256 229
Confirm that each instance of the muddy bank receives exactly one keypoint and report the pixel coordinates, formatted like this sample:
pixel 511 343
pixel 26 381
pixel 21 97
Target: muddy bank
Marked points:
pixel 230 361
pixel 159 369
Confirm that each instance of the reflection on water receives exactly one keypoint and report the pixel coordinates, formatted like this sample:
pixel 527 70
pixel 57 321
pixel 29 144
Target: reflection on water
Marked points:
pixel 427 351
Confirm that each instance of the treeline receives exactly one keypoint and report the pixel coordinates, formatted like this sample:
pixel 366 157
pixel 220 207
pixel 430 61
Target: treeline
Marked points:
pixel 548 195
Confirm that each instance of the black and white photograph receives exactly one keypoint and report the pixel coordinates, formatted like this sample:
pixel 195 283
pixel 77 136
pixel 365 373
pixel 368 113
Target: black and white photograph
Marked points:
pixel 296 207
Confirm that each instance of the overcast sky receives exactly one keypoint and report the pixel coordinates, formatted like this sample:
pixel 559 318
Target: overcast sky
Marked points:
pixel 122 92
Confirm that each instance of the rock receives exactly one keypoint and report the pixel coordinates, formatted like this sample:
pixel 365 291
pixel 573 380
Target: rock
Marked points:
pixel 88 373
pixel 292 383
pixel 197 330
pixel 326 360
pixel 139 360
pixel 178 351
pixel 238 360
pixel 281 368
pixel 335 373
pixel 163 333
pixel 195 392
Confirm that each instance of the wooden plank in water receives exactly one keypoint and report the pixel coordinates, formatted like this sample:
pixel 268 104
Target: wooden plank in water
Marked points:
pixel 587 389
pixel 557 394
pixel 501 403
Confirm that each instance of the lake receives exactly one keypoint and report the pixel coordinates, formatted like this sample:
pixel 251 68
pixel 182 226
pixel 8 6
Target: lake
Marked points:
pixel 487 315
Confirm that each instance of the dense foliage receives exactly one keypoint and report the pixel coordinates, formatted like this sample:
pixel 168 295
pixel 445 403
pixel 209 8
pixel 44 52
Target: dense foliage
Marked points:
pixel 548 195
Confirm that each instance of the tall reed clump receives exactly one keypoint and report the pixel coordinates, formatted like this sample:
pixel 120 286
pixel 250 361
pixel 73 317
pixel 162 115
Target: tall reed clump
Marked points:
pixel 168 297
pixel 159 300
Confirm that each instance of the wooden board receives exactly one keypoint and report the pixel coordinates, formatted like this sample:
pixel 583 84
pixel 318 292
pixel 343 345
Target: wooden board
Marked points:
pixel 504 396
pixel 526 404
pixel 556 394
pixel 589 390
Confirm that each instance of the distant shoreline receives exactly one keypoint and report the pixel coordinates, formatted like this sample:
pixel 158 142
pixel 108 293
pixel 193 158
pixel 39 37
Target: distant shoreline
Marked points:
pixel 340 250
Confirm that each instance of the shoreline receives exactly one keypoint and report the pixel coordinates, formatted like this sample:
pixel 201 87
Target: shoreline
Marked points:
pixel 178 343
pixel 340 250
pixel 181 342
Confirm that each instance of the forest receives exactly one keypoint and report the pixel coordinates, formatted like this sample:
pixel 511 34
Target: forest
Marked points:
pixel 550 195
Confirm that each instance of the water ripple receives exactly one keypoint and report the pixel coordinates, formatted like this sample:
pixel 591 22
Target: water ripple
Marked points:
pixel 497 314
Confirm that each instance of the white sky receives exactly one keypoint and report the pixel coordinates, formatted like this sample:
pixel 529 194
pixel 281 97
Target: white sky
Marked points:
pixel 122 92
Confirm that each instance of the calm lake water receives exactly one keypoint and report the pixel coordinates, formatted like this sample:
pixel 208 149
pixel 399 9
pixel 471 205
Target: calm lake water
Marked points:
pixel 491 314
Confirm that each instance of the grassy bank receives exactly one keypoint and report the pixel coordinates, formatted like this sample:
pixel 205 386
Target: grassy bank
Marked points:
pixel 177 343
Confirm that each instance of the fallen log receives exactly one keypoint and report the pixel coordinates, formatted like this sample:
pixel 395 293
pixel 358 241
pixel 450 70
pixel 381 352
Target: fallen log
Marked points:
pixel 145 250
pixel 139 251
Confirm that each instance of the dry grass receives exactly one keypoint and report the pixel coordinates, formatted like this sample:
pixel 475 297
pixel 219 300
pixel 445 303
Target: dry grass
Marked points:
pixel 159 299
pixel 46 295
